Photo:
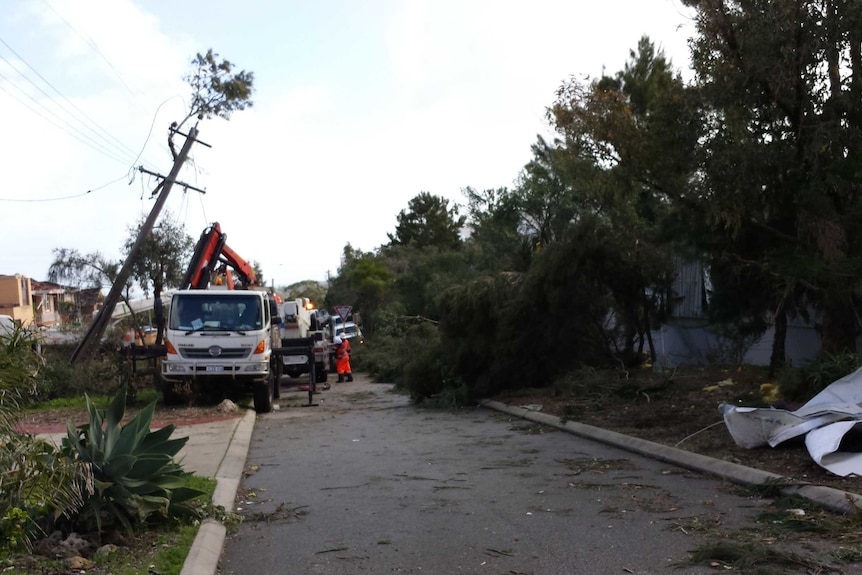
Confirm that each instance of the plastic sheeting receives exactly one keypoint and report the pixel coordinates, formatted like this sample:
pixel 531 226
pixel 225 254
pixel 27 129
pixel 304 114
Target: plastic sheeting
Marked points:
pixel 825 421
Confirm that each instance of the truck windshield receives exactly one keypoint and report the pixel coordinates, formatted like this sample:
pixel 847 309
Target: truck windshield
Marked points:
pixel 215 312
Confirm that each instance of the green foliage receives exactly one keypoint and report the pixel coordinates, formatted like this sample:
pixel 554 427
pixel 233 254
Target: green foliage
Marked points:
pixel 781 151
pixel 258 272
pixel 135 477
pixel 428 221
pixel 386 355
pixel 424 372
pixel 216 90
pixel 381 359
pixel 36 485
pixel 801 384
pixel 544 197
pixel 19 366
pixel 495 243
pixel 312 289
pixel 364 282
pixel 58 379
pixel 161 261
pixel 425 273
pixel 476 322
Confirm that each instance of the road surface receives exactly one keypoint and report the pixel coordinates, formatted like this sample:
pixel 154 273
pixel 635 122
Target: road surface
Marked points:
pixel 366 483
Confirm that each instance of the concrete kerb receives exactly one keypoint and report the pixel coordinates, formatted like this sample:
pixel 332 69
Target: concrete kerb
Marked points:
pixel 206 549
pixel 834 499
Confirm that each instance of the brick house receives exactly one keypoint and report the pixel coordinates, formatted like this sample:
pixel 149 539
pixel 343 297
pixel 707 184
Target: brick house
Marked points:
pixel 47 303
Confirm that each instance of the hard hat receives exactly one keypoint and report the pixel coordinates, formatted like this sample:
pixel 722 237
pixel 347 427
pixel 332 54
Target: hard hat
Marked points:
pixel 337 341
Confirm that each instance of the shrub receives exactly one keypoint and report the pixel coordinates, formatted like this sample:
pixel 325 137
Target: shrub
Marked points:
pixel 100 375
pixel 36 483
pixel 804 383
pixel 135 477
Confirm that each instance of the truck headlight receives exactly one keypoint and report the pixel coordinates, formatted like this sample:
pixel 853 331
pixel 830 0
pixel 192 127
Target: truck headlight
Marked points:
pixel 174 368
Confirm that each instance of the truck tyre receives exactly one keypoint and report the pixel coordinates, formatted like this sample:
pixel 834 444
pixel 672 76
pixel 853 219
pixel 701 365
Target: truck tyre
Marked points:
pixel 262 391
pixel 321 374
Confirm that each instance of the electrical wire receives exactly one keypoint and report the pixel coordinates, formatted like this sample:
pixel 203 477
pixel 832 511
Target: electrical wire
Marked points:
pixel 72 104
pixel 150 133
pixel 93 46
pixel 61 198
pixel 69 129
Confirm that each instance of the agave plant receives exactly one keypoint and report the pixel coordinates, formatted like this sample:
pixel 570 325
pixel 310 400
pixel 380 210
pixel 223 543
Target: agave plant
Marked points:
pixel 135 475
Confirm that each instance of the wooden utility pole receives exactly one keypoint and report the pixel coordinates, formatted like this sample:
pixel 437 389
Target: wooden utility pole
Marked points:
pixel 100 322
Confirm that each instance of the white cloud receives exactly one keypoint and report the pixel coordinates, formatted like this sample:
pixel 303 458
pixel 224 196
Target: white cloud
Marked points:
pixel 355 113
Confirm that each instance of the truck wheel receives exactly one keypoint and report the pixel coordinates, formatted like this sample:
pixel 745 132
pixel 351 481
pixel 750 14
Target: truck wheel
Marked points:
pixel 262 391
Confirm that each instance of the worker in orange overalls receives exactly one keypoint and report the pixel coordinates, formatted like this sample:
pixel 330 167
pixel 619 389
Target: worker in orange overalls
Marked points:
pixel 342 360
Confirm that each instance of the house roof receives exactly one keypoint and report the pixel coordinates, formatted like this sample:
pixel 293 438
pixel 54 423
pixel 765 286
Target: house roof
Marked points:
pixel 46 287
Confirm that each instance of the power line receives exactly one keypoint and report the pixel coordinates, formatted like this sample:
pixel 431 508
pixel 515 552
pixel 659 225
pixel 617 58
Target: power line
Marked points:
pixel 61 198
pixel 72 104
pixel 93 46
pixel 69 129
pixel 150 133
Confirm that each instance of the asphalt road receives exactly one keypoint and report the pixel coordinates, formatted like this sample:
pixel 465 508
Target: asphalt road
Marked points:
pixel 366 483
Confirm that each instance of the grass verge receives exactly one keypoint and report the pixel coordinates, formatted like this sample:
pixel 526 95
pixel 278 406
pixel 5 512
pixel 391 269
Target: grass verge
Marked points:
pixel 162 549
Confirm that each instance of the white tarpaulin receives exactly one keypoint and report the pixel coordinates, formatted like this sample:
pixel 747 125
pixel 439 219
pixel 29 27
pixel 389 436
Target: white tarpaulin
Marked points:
pixel 824 421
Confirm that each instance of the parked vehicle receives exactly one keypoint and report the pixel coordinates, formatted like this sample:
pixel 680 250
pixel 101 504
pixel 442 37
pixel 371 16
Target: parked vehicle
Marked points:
pixel 301 321
pixel 7 325
pixel 346 329
pixel 222 331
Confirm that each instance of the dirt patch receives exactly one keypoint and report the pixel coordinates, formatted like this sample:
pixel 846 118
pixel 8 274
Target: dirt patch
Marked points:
pixel 681 409
pixel 54 421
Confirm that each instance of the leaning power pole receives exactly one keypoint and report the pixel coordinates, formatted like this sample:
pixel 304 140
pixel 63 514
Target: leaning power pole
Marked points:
pixel 100 322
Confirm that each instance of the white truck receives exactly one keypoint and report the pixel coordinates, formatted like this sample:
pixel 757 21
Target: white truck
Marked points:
pixel 223 338
pixel 303 325
pixel 222 335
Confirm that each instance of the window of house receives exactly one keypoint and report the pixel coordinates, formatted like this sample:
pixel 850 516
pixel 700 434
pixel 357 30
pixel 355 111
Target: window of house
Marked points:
pixel 25 293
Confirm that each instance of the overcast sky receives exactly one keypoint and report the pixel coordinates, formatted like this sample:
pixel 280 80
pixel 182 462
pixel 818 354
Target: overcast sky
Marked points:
pixel 359 106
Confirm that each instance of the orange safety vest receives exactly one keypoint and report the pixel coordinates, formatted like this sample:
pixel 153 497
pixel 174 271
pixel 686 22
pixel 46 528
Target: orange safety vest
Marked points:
pixel 342 359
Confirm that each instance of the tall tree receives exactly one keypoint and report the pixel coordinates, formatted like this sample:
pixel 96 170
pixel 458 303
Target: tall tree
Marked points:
pixel 216 90
pixel 428 221
pixel 91 270
pixel 312 289
pixel 161 262
pixel 628 140
pixel 782 155
pixel 363 282
pixel 625 157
